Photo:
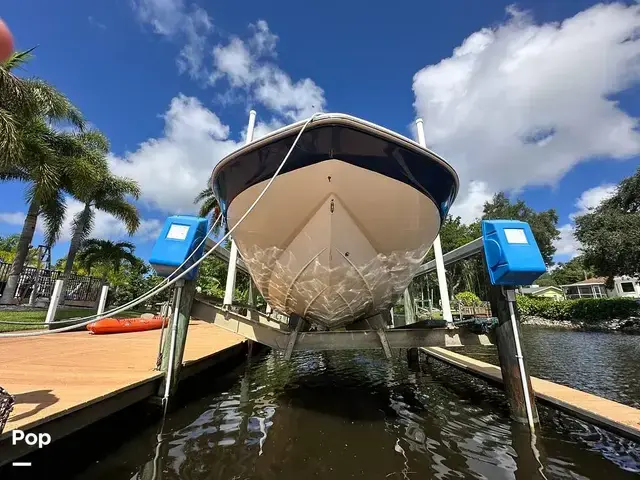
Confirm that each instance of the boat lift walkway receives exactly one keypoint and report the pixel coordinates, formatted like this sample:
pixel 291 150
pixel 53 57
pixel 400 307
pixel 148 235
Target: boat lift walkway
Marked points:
pixel 615 417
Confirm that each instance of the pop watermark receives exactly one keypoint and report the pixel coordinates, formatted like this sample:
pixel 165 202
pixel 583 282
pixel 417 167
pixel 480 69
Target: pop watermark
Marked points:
pixel 31 439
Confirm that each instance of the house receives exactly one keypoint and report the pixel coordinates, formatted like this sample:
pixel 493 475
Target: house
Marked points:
pixel 551 291
pixel 623 286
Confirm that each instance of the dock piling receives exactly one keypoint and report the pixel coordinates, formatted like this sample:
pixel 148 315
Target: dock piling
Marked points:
pixel 174 343
pixel 517 382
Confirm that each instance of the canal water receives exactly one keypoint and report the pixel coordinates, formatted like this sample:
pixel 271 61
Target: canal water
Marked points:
pixel 346 415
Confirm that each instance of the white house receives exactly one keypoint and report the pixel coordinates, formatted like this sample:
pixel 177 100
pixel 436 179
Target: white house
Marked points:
pixel 624 286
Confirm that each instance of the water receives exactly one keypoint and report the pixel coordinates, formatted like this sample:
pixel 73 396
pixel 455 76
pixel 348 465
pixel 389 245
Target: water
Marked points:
pixel 605 364
pixel 346 415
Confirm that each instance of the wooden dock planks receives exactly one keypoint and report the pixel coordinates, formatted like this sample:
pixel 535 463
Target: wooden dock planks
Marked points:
pixel 54 375
pixel 613 416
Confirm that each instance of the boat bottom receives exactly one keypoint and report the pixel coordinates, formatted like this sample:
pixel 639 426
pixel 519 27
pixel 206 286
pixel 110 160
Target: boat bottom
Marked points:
pixel 332 242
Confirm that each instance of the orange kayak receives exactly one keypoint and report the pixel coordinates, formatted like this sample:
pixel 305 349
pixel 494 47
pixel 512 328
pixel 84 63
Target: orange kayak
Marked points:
pixel 125 325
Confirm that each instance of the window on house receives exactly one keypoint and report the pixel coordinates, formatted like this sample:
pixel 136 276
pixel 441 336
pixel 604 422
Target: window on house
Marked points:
pixel 586 291
pixel 627 287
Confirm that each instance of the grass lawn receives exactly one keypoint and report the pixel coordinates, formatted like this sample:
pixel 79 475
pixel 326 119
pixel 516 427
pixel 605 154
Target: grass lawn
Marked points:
pixel 29 319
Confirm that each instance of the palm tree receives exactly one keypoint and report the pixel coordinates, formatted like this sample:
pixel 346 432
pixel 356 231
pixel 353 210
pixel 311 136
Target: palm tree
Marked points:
pixel 96 251
pixel 210 207
pixel 105 192
pixel 62 163
pixel 31 150
pixel 25 99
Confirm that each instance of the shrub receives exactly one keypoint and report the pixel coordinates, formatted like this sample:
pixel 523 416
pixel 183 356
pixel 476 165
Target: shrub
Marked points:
pixel 585 309
pixel 468 299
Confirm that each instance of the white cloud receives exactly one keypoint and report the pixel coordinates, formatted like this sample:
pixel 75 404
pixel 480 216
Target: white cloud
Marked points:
pixel 172 169
pixel 263 128
pixel 105 225
pixel 234 61
pixel 523 103
pixel 172 19
pixel 472 204
pixel 12 218
pixel 245 65
pixel 163 15
pixel 592 198
pixel 567 245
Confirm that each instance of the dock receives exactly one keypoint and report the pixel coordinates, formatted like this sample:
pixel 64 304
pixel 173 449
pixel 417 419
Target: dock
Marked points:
pixel 615 417
pixel 64 382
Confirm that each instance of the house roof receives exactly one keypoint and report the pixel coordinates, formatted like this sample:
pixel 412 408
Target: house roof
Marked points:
pixel 534 290
pixel 588 281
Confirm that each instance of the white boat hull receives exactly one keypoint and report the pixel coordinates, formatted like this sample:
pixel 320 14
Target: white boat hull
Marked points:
pixel 333 242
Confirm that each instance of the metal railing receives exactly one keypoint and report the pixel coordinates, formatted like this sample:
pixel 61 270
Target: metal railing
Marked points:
pixel 78 287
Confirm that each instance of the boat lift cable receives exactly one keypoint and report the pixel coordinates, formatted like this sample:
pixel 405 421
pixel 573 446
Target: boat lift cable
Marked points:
pixel 168 283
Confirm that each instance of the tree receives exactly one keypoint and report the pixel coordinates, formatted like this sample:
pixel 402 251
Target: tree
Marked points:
pixel 210 207
pixel 546 280
pixel 32 151
pixel 610 234
pixel 133 280
pixel 543 224
pixel 25 99
pixel 104 192
pixel 9 243
pixel 454 234
pixel 105 252
pixel 572 271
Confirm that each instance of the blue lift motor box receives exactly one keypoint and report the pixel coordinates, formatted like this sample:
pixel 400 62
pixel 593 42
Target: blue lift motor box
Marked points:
pixel 511 251
pixel 180 235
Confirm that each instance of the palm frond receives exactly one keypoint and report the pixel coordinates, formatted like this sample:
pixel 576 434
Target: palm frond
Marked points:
pixel 53 212
pixel 204 194
pixel 122 210
pixel 120 187
pixel 10 145
pixel 209 207
pixel 17 59
pixel 124 245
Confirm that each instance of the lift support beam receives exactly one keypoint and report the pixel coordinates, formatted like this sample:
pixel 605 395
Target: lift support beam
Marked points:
pixel 224 254
pixel 265 332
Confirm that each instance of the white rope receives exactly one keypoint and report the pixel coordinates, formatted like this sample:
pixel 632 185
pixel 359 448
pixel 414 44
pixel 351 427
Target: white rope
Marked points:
pixel 161 287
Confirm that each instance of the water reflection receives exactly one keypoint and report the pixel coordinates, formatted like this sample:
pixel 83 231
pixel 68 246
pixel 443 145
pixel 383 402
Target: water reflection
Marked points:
pixel 356 415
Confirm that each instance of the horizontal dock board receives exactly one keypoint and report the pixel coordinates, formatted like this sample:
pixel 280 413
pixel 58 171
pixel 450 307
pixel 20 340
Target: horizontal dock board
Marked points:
pixel 64 375
pixel 613 416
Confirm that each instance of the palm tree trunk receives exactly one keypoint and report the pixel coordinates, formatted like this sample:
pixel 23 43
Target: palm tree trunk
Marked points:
pixel 76 240
pixel 26 236
pixel 74 245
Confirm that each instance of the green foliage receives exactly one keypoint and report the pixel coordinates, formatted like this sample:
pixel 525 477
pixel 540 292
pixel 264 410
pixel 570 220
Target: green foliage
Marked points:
pixel 468 299
pixel 610 234
pixel 209 206
pixel 585 309
pixel 546 280
pixel 212 279
pixel 572 271
pixel 543 224
pixel 132 281
pixel 9 243
pixel 105 252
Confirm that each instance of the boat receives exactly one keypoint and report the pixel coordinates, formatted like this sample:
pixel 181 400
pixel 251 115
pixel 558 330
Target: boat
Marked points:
pixel 349 219
pixel 125 325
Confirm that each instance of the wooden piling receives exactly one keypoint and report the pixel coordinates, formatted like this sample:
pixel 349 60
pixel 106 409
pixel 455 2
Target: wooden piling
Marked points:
pixel 183 316
pixel 506 343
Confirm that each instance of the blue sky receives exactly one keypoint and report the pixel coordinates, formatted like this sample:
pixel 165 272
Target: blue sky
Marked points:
pixel 170 82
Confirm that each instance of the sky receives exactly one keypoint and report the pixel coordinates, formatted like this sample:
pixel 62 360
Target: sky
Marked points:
pixel 539 99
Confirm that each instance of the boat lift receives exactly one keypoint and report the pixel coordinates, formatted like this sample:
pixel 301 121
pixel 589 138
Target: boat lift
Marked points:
pixel 512 258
